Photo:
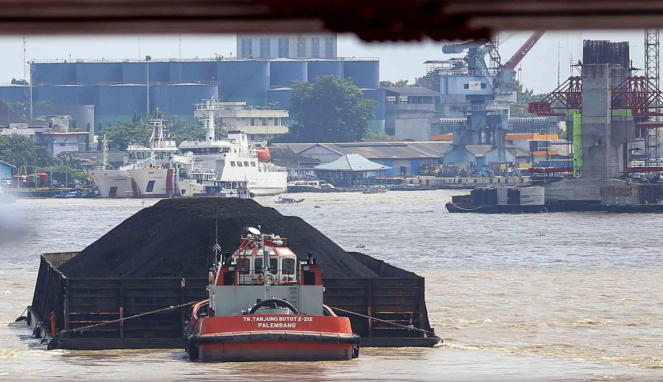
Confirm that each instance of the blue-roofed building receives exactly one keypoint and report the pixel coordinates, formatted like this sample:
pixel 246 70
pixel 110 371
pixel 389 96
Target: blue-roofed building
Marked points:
pixel 5 171
pixel 351 170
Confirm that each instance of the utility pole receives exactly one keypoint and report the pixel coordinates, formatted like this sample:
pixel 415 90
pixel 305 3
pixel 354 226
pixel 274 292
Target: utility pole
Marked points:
pixel 147 64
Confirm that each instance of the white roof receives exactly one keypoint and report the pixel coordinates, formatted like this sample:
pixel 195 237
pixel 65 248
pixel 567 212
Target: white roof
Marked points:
pixel 352 162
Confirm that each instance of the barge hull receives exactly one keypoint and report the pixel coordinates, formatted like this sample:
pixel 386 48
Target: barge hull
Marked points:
pixel 79 302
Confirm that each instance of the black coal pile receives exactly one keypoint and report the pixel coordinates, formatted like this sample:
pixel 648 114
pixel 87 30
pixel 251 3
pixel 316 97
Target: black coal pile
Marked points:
pixel 175 237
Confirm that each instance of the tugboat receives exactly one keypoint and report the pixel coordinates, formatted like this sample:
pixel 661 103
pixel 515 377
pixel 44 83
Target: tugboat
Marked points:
pixel 264 305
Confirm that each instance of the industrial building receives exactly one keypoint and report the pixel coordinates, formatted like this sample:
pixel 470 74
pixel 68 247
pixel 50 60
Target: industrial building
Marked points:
pixel 401 157
pixel 411 113
pixel 6 171
pixel 119 89
pixel 258 124
pixel 270 46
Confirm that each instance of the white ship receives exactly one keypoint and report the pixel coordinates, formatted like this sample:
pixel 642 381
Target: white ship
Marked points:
pixel 113 183
pixel 224 166
pixel 155 177
pixel 149 174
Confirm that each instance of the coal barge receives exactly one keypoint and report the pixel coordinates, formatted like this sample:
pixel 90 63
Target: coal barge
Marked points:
pixel 106 296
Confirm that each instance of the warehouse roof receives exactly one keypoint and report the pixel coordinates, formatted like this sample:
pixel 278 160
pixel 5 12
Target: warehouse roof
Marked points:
pixel 352 162
pixel 378 150
pixel 8 164
pixel 412 91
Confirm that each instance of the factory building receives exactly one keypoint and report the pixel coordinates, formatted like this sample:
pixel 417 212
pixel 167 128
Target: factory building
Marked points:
pixel 5 171
pixel 258 124
pixel 270 46
pixel 411 113
pixel 401 157
pixel 116 90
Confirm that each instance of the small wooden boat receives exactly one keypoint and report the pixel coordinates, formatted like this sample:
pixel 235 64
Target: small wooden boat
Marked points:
pixel 288 200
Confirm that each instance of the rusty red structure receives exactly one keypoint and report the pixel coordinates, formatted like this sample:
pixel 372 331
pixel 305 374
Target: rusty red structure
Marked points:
pixel 634 93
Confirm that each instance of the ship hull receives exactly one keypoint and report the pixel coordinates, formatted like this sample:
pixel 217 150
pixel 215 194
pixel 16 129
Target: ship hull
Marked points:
pixel 153 182
pixel 251 338
pixel 114 183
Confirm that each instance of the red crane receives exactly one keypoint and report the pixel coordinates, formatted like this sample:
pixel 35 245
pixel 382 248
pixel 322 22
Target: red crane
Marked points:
pixel 520 54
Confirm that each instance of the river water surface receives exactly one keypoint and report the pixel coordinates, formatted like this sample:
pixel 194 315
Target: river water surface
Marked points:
pixel 563 296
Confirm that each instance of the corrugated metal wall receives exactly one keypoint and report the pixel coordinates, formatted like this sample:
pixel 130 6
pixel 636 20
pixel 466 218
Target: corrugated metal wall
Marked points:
pixel 15 94
pixel 324 68
pixel 365 74
pixel 243 81
pixel 287 73
pixel 92 74
pixel 179 99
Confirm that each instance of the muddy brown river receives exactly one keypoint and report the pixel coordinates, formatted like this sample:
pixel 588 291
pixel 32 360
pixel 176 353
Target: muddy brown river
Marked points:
pixel 552 297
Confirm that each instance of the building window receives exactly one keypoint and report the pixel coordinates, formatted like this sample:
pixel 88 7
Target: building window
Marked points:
pixel 329 47
pixel 253 121
pixel 247 48
pixel 265 51
pixel 284 48
pixel 315 47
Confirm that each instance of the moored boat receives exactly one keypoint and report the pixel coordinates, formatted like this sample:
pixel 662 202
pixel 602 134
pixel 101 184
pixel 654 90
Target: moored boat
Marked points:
pixel 267 313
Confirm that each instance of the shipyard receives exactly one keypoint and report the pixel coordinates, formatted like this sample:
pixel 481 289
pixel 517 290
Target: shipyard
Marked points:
pixel 429 191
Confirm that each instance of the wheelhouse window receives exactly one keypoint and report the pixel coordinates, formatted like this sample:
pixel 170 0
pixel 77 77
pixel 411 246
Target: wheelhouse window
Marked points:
pixel 232 164
pixel 239 164
pixel 246 164
pixel 253 164
pixel 288 266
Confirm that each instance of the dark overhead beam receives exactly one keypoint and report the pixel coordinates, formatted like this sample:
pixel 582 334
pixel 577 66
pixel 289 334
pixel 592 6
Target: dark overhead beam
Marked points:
pixel 369 19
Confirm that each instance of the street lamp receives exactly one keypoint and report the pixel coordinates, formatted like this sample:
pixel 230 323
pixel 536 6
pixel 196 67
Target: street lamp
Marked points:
pixel 147 64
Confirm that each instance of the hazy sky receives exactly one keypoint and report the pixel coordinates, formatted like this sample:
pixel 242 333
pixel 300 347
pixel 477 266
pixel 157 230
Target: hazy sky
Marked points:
pixel 397 60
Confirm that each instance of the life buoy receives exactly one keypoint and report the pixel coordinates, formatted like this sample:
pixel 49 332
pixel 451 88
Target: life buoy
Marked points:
pixel 260 278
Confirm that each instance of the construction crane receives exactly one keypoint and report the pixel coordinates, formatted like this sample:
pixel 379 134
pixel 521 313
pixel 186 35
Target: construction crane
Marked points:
pixel 489 88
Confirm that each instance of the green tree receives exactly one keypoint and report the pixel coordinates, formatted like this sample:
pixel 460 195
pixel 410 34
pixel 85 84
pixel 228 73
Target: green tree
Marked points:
pixel 20 150
pixel 332 109
pixel 126 132
pixel 181 130
pixel 427 81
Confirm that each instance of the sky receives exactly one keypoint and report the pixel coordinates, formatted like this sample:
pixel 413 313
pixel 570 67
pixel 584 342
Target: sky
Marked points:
pixel 397 60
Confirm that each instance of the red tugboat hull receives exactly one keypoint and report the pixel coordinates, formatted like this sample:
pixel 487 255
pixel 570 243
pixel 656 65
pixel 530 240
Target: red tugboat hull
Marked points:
pixel 273 338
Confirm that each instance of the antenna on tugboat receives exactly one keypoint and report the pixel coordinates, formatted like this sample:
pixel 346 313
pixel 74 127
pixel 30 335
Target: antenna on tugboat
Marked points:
pixel 217 247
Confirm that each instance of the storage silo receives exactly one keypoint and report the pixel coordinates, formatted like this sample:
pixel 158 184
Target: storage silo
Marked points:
pixel 53 73
pixel 159 72
pixel 15 93
pixel 365 74
pixel 280 99
pixel 287 73
pixel 179 99
pixel 324 68
pixel 377 123
pixel 65 94
pixel 187 72
pixel 120 102
pixel 243 80
pixel 134 72
pixel 92 73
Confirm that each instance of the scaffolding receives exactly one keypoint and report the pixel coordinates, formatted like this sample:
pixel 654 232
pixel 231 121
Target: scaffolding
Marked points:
pixel 651 135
